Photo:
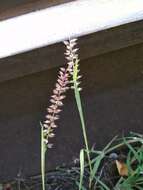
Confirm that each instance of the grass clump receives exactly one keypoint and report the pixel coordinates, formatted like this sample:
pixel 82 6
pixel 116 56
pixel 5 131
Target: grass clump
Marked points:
pixel 118 166
pixel 67 76
pixel 111 168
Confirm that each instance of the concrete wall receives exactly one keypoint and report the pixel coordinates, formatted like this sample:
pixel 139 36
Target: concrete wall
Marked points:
pixel 113 102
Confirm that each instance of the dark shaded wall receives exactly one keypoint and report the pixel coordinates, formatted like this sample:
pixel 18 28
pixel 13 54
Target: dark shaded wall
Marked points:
pixel 13 8
pixel 113 102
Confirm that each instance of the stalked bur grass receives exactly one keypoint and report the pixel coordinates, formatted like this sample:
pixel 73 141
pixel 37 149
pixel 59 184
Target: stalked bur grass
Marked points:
pixel 72 57
pixel 48 126
pixel 67 78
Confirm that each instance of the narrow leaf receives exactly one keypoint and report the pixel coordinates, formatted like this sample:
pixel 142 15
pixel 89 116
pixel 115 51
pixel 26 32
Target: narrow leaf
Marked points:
pixel 81 168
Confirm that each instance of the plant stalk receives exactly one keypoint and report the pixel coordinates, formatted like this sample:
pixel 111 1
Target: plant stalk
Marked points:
pixel 43 155
pixel 79 105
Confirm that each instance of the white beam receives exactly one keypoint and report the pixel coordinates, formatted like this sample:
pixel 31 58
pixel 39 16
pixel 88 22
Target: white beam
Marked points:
pixel 55 24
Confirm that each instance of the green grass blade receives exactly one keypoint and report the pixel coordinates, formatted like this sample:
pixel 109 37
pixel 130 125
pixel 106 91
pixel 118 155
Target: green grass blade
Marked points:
pixel 110 143
pixel 102 184
pixel 120 181
pixel 129 163
pixel 81 168
pixel 132 149
pixel 82 188
pixel 96 165
pixel 79 106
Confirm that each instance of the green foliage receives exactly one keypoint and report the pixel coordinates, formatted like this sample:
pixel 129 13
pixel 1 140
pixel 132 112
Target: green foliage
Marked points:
pixel 81 168
pixel 93 164
pixel 134 162
pixel 80 110
pixel 135 167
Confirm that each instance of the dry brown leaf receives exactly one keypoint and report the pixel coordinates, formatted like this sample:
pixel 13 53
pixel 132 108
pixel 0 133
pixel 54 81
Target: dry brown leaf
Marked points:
pixel 122 168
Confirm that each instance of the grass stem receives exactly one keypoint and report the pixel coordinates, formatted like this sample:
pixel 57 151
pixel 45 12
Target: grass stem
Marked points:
pixel 80 110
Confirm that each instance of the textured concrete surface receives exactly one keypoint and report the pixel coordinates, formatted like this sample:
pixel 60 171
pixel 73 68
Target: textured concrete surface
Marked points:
pixel 113 103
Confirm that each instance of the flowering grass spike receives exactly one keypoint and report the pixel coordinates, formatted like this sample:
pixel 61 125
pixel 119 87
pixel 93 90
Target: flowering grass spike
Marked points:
pixel 56 103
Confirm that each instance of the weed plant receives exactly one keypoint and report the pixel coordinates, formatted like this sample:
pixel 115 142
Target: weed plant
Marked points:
pixel 92 163
pixel 126 150
pixel 119 166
